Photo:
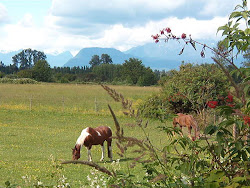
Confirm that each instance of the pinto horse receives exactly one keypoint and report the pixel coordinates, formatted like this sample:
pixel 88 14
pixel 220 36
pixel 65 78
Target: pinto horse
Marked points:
pixel 187 121
pixel 93 136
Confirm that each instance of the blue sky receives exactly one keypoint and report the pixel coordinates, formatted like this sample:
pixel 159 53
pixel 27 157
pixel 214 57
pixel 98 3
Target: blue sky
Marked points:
pixel 54 26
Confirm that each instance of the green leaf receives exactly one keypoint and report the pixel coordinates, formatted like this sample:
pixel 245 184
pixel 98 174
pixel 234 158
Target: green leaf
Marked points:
pixel 247 89
pixel 227 132
pixel 238 145
pixel 7 183
pixel 227 122
pixel 218 149
pixel 224 42
pixel 238 179
pixel 210 129
pixel 244 156
pixel 225 28
pixel 219 136
pixel 247 31
pixel 244 15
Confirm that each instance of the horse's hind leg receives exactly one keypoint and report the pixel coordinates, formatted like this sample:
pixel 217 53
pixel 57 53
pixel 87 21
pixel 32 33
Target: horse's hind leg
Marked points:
pixel 109 141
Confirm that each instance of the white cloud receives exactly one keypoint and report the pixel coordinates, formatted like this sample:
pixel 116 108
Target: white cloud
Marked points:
pixel 3 14
pixel 66 27
pixel 53 39
pixel 27 20
pixel 217 7
pixel 85 13
pixel 125 38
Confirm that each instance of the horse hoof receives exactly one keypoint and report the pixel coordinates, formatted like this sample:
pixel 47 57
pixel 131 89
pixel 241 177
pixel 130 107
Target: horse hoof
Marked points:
pixel 101 159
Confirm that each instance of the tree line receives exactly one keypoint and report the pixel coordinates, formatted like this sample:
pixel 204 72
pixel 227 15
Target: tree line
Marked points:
pixel 33 64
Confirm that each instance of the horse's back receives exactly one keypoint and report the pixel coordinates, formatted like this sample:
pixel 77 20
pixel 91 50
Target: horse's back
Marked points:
pixel 104 130
pixel 100 134
pixel 184 119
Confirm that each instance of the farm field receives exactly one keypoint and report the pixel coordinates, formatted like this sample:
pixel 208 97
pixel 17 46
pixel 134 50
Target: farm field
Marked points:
pixel 39 124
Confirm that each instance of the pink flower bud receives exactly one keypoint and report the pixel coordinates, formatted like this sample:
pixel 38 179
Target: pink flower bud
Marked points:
pixel 183 36
pixel 168 30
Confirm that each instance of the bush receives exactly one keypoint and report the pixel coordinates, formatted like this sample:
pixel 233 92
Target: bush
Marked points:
pixel 18 81
pixel 2 74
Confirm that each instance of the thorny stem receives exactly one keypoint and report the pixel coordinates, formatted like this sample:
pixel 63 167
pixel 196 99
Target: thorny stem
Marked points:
pixel 112 93
pixel 220 54
pixel 215 158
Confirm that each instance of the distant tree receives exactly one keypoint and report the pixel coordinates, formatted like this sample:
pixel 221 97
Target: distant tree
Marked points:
pixel 147 78
pixel 106 59
pixel 27 73
pixel 108 72
pixel 42 71
pixel 1 64
pixel 132 69
pixel 95 60
pixel 2 74
pixel 27 58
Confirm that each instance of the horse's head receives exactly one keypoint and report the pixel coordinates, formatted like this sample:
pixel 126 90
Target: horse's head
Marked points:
pixel 76 153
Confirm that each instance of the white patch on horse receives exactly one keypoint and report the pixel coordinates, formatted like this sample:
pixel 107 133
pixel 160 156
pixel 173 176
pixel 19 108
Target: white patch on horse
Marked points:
pixel 82 137
pixel 99 134
pixel 102 153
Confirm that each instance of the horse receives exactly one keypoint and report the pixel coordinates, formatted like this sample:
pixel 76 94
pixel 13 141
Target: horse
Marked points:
pixel 93 136
pixel 188 121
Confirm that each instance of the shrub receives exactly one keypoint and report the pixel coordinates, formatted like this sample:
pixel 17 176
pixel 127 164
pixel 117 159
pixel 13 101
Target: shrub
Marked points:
pixel 18 81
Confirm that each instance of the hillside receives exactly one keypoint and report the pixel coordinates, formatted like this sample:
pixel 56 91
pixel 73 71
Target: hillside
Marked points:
pixel 118 57
pixel 84 56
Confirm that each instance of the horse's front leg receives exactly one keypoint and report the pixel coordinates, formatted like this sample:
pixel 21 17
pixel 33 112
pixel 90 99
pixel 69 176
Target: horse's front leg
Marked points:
pixel 102 152
pixel 181 133
pixel 89 154
pixel 189 132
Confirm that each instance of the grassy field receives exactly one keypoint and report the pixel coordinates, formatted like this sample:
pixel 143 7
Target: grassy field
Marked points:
pixel 40 122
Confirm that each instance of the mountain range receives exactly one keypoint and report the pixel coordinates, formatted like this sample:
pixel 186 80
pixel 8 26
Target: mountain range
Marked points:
pixel 160 56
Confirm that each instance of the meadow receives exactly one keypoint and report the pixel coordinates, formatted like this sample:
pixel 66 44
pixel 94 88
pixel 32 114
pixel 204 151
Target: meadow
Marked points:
pixel 39 124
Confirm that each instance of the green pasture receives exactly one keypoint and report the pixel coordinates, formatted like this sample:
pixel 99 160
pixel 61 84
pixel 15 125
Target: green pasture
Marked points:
pixel 41 121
